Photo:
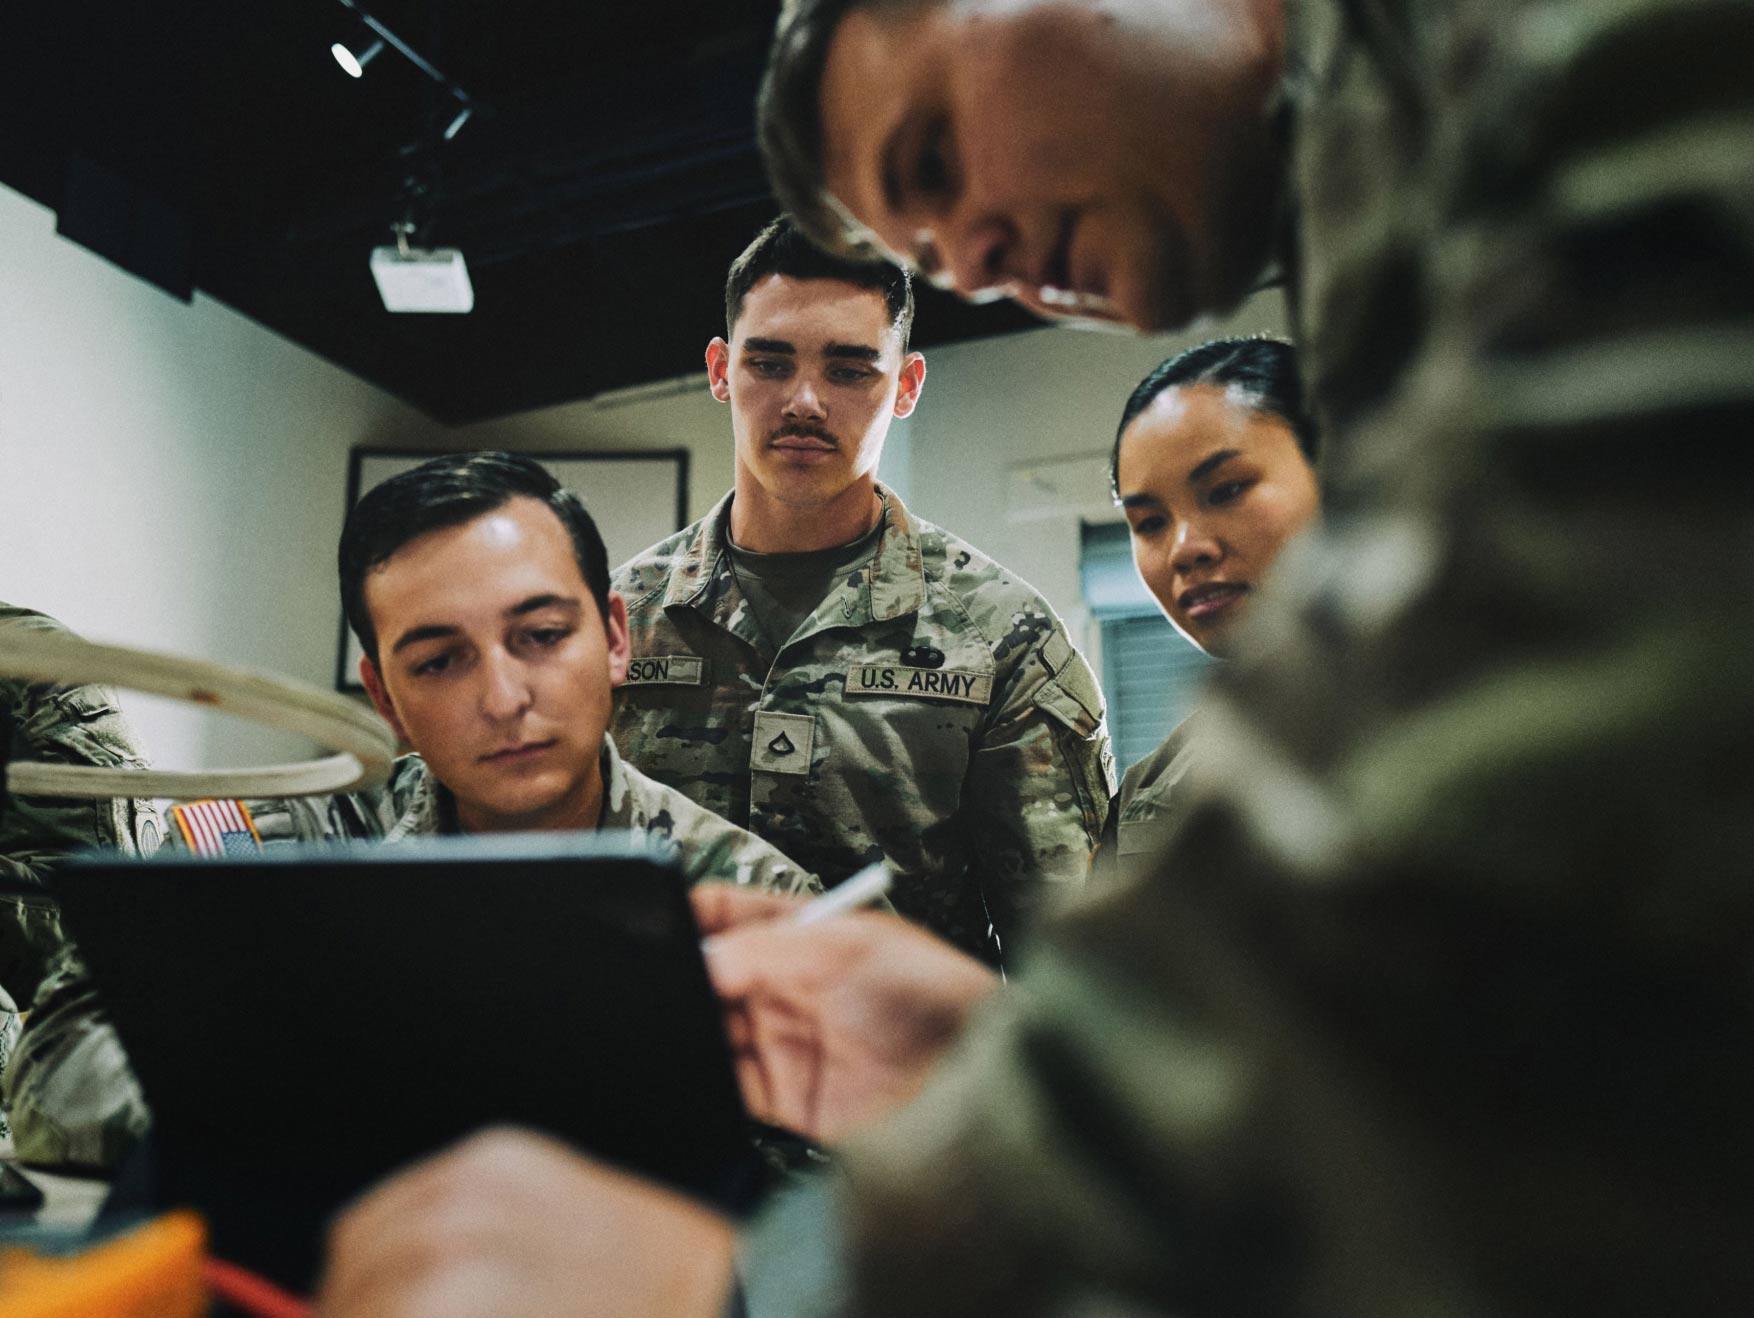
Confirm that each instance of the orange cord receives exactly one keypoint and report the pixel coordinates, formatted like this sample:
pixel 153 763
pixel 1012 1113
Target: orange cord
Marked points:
pixel 256 1296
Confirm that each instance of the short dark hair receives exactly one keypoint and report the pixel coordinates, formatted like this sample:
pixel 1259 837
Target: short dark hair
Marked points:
pixel 780 249
pixel 449 491
pixel 1263 367
pixel 788 119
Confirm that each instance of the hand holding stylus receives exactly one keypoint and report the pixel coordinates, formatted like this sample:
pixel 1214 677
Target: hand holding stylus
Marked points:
pixel 835 1015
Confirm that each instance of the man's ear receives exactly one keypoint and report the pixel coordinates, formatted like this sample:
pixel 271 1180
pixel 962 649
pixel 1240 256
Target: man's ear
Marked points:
pixel 374 687
pixel 718 369
pixel 620 646
pixel 913 379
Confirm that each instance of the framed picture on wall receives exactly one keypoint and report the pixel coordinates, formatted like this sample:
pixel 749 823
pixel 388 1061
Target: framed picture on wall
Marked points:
pixel 636 499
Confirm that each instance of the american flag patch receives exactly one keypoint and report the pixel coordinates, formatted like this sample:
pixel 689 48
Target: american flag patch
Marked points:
pixel 218 828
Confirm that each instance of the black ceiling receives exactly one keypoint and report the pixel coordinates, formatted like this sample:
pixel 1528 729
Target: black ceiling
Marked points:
pixel 604 183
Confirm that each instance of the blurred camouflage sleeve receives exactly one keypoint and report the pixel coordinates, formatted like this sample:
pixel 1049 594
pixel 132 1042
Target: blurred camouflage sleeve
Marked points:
pixel 1039 784
pixel 68 1091
pixel 1438 1002
pixel 71 1095
pixel 73 725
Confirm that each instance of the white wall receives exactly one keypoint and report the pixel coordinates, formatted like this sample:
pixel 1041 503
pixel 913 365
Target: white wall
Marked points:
pixel 677 413
pixel 171 476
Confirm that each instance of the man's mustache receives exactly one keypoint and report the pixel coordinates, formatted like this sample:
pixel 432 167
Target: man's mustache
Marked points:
pixel 803 432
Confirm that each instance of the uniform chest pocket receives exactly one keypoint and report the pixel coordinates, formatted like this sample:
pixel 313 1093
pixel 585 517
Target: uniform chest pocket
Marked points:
pixel 914 730
pixel 896 762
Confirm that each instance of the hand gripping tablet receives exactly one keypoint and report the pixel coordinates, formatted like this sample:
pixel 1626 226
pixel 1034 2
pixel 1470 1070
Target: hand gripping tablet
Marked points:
pixel 362 743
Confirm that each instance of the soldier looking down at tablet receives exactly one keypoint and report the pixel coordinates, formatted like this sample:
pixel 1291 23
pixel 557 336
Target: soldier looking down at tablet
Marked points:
pixel 479 590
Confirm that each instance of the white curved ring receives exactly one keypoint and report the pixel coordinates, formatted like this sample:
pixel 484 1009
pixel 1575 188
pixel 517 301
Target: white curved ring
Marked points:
pixel 363 744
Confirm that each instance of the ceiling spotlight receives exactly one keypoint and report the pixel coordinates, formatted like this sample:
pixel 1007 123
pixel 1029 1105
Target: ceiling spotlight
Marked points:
pixel 353 58
pixel 456 125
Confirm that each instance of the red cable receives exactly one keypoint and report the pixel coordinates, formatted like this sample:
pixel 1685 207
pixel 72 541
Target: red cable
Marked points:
pixel 256 1296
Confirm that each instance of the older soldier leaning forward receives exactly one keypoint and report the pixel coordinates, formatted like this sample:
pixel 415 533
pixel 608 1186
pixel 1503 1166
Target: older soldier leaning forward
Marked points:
pixel 850 682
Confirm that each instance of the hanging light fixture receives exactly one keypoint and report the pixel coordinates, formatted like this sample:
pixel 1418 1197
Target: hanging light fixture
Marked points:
pixel 432 280
pixel 369 41
pixel 410 278
pixel 456 125
pixel 355 55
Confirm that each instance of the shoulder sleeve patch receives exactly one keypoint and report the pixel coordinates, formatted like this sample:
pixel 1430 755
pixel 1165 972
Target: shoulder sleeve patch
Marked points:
pixel 1070 675
pixel 1055 651
pixel 1066 709
pixel 218 828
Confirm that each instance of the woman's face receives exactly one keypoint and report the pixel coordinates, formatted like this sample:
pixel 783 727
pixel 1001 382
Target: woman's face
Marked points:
pixel 1213 489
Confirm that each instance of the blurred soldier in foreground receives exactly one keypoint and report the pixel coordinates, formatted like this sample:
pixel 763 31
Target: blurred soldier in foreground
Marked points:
pixel 68 1092
pixel 1438 1001
pixel 850 682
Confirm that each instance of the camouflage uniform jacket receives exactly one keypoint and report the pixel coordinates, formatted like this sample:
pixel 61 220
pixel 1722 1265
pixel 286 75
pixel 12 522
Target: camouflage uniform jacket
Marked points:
pixel 415 804
pixel 1439 1001
pixel 930 711
pixel 68 1092
pixel 1144 812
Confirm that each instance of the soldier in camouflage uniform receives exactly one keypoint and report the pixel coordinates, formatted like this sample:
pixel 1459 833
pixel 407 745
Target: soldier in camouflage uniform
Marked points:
pixel 918 704
pixel 413 803
pixel 1438 1001
pixel 68 1091
pixel 85 1107
pixel 1212 466
pixel 479 591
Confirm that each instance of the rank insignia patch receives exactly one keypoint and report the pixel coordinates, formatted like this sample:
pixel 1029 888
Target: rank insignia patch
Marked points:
pixel 782 742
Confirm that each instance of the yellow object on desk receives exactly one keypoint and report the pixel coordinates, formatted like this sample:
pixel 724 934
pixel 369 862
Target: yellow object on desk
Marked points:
pixel 153 1271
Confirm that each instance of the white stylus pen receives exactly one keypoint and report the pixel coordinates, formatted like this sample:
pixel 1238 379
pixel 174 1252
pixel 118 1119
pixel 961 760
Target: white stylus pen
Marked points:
pixel 867 886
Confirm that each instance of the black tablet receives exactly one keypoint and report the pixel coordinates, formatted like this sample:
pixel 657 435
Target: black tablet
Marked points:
pixel 304 1021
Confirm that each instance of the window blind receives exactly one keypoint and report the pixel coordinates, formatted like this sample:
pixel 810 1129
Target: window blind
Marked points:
pixel 1151 675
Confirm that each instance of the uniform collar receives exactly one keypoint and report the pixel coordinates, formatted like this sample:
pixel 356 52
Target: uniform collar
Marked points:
pixel 623 803
pixel 891 585
pixel 897 584
pixel 693 571
pixel 423 807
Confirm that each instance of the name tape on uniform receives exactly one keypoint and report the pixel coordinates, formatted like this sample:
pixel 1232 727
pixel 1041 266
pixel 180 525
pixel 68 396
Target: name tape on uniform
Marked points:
pixel 667 669
pixel 927 683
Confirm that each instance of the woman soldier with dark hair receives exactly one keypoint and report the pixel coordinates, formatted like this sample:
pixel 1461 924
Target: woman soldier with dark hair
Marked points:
pixel 1212 465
